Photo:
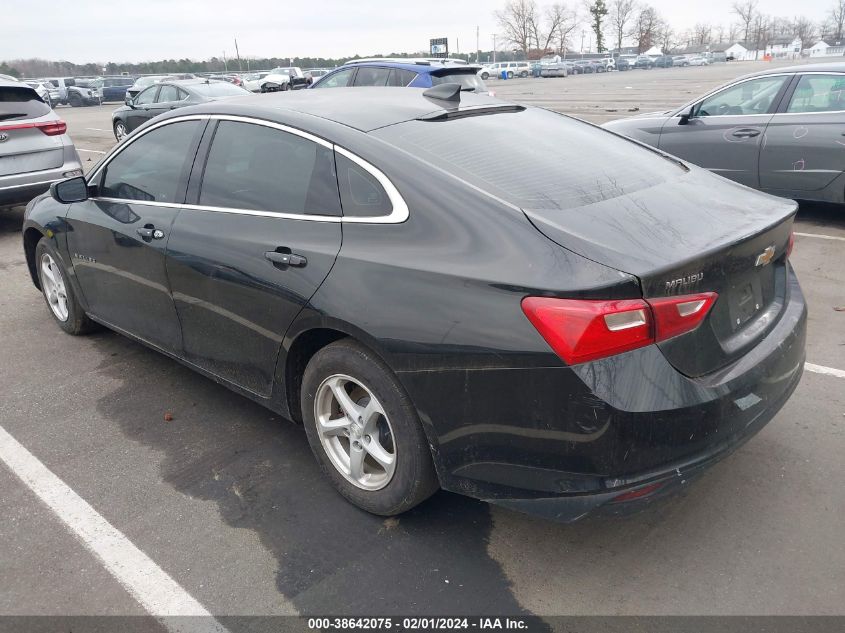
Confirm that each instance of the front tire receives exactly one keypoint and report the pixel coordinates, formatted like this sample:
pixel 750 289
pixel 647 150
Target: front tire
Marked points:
pixel 364 430
pixel 485 76
pixel 74 101
pixel 58 293
pixel 120 131
pixel 510 74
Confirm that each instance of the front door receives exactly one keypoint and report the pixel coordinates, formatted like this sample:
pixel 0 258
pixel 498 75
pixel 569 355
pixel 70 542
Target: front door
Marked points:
pixel 141 109
pixel 805 141
pixel 118 238
pixel 725 131
pixel 258 237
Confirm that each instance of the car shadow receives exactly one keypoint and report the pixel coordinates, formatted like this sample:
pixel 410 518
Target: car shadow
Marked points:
pixel 11 220
pixel 258 468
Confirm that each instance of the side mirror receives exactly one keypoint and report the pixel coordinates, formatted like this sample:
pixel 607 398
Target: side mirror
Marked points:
pixel 128 100
pixel 686 116
pixel 70 190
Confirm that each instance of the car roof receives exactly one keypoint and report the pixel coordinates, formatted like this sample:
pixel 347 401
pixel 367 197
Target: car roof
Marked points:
pixel 6 83
pixel 803 68
pixel 418 66
pixel 364 109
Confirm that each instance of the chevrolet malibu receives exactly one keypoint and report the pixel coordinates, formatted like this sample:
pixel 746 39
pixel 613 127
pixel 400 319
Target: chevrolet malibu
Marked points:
pixel 375 265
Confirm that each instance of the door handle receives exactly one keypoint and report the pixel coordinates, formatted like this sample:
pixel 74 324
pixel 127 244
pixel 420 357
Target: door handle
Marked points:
pixel 150 233
pixel 746 133
pixel 286 259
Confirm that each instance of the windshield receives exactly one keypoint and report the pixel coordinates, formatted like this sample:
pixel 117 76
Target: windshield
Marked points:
pixel 567 164
pixel 468 81
pixel 283 71
pixel 218 89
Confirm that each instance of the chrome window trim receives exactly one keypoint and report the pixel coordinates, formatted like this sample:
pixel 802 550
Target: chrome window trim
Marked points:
pixel 399 213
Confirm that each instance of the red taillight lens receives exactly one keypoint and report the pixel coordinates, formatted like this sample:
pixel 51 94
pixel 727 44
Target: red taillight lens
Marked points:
pixel 790 244
pixel 676 315
pixel 583 330
pixel 50 128
pixel 638 493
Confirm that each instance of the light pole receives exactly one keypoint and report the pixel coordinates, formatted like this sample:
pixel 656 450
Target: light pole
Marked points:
pixel 494 48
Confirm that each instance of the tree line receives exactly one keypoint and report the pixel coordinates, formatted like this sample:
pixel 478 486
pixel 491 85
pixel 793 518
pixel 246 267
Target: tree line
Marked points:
pixel 533 30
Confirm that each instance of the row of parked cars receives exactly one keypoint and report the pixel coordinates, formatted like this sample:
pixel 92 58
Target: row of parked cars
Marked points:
pixel 557 67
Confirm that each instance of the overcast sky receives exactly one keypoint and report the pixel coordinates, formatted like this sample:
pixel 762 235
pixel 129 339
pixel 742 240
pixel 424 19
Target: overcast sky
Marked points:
pixel 146 30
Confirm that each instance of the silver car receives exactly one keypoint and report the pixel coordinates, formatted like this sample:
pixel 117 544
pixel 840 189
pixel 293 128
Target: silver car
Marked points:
pixel 35 149
pixel 780 130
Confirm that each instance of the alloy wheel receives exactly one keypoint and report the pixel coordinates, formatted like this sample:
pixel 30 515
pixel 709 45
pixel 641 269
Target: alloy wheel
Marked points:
pixel 120 131
pixel 355 432
pixel 54 287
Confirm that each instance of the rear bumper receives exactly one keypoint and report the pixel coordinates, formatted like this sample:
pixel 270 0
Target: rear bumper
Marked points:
pixel 564 441
pixel 21 188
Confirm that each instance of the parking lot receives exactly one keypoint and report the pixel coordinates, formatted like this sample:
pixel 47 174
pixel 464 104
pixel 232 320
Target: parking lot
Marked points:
pixel 228 501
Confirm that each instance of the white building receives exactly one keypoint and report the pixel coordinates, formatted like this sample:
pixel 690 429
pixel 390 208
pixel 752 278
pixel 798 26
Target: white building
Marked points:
pixel 827 48
pixel 783 48
pixel 738 51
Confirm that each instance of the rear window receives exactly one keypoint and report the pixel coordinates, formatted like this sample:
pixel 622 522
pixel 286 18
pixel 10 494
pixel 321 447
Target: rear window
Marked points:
pixel 218 89
pixel 18 103
pixel 468 81
pixel 567 163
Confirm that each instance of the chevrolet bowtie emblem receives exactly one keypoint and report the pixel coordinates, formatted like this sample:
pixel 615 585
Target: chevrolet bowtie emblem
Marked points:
pixel 766 256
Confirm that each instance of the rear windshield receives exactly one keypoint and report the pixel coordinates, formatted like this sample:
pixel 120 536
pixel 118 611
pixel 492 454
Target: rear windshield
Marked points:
pixel 218 89
pixel 565 164
pixel 21 103
pixel 468 81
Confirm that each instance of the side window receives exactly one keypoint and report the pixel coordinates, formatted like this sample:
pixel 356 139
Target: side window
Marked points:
pixel 259 168
pixel 371 76
pixel 146 96
pixel 55 82
pixel 338 80
pixel 151 167
pixel 754 96
pixel 167 94
pixel 182 95
pixel 400 78
pixel 361 195
pixel 818 93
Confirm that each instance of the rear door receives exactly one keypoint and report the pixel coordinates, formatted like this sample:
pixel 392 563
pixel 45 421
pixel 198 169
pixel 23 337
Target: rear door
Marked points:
pixel 805 140
pixel 725 132
pixel 118 239
pixel 24 147
pixel 258 237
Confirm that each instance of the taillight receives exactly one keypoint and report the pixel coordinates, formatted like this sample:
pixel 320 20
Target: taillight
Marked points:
pixel 581 330
pixel 50 128
pixel 790 244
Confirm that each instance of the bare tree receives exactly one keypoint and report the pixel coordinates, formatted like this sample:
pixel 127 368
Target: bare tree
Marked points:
pixel 666 37
pixel 746 12
pixel 733 33
pixel 621 14
pixel 760 33
pixel 598 11
pixel 719 33
pixel 804 30
pixel 703 33
pixel 837 18
pixel 517 21
pixel 565 21
pixel 646 28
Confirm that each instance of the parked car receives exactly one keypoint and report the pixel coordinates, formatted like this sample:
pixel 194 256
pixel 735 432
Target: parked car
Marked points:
pixel 35 149
pixel 664 61
pixel 622 63
pixel 281 79
pixel 730 58
pixel 141 83
pixel 316 73
pixel 680 60
pixel 232 79
pixel 85 92
pixel 252 81
pixel 699 60
pixel 48 92
pixel 585 66
pixel 645 62
pixel 407 73
pixel 114 88
pixel 588 350
pixel 560 68
pixel 511 70
pixel 61 84
pixel 797 110
pixel 166 96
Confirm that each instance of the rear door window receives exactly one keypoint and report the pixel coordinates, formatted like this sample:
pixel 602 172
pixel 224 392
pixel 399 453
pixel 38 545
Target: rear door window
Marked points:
pixel 259 168
pixel 371 76
pixel 400 77
pixel 818 93
pixel 17 103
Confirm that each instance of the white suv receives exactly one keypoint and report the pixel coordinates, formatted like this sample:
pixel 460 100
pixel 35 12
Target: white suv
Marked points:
pixel 513 69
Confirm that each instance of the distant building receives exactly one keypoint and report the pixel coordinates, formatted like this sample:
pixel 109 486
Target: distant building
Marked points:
pixel 787 47
pixel 739 52
pixel 827 47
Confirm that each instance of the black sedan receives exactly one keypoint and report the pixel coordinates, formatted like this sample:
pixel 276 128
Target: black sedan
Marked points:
pixel 439 303
pixel 165 96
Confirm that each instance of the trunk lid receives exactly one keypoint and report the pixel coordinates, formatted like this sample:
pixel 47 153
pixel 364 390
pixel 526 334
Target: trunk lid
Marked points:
pixel 25 149
pixel 696 233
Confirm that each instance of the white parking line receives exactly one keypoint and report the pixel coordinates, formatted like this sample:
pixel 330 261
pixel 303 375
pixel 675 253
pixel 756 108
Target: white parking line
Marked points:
pixel 93 151
pixel 821 237
pixel 821 369
pixel 151 586
pixel 98 129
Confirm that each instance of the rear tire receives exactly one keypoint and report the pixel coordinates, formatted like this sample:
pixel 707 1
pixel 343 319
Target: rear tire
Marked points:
pixel 74 101
pixel 57 291
pixel 352 404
